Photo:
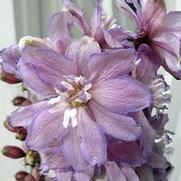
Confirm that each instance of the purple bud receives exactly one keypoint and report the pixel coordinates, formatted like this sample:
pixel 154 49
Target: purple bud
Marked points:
pixel 19 101
pixel 21 134
pixel 20 176
pixel 9 78
pixel 13 152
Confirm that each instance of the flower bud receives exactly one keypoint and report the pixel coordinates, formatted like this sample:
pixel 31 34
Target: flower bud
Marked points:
pixel 20 101
pixel 9 78
pixel 20 176
pixel 32 158
pixel 8 126
pixel 13 152
pixel 21 134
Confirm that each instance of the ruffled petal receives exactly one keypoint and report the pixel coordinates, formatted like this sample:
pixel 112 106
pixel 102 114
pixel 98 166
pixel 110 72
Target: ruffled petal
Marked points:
pixel 59 26
pixel 32 80
pixel 49 65
pixel 80 50
pixel 153 15
pixel 113 172
pixel 24 116
pixel 10 57
pixel 72 151
pixel 109 64
pixel 116 125
pixel 122 95
pixel 93 144
pixel 46 125
pixel 125 152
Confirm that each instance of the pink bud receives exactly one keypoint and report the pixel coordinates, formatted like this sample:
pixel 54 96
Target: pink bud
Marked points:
pixel 29 178
pixel 9 78
pixel 20 101
pixel 13 152
pixel 8 126
pixel 21 134
pixel 20 176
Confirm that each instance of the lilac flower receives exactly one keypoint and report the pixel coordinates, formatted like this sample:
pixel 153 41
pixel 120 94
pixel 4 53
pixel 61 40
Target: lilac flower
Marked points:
pixel 157 38
pixel 88 94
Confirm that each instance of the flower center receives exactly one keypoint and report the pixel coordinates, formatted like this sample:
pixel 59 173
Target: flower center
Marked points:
pixel 74 90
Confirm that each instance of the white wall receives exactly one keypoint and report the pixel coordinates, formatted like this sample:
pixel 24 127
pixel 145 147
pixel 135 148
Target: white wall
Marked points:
pixel 7 37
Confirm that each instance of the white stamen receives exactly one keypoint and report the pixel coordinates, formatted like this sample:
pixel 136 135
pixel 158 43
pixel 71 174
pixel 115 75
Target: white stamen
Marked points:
pixel 70 114
pixel 54 100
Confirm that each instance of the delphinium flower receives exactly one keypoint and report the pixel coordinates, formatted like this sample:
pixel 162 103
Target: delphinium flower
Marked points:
pixel 87 98
pixel 157 37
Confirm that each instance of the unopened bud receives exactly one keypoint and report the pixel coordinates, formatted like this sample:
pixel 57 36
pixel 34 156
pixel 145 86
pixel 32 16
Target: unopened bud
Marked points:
pixel 13 152
pixel 20 101
pixel 8 126
pixel 9 78
pixel 21 134
pixel 29 178
pixel 32 158
pixel 20 176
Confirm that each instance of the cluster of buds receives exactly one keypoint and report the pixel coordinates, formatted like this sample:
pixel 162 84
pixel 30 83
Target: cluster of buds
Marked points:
pixel 31 158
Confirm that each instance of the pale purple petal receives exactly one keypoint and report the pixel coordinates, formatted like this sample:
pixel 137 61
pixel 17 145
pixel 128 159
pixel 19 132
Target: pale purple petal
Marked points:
pixel 56 161
pixel 113 172
pixel 71 150
pixel 64 176
pixel 148 134
pixel 172 23
pixel 146 69
pixel 93 144
pixel 32 80
pixel 46 129
pixel 110 40
pixel 130 173
pixel 59 26
pixel 10 57
pixel 78 17
pixel 109 64
pixel 122 95
pixel 116 125
pixel 167 46
pixel 80 176
pixel 49 65
pixel 24 115
pixel 153 15
pixel 125 152
pixel 80 50
pixel 127 6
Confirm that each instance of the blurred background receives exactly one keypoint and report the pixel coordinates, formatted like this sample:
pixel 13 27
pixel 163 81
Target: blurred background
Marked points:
pixel 19 18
